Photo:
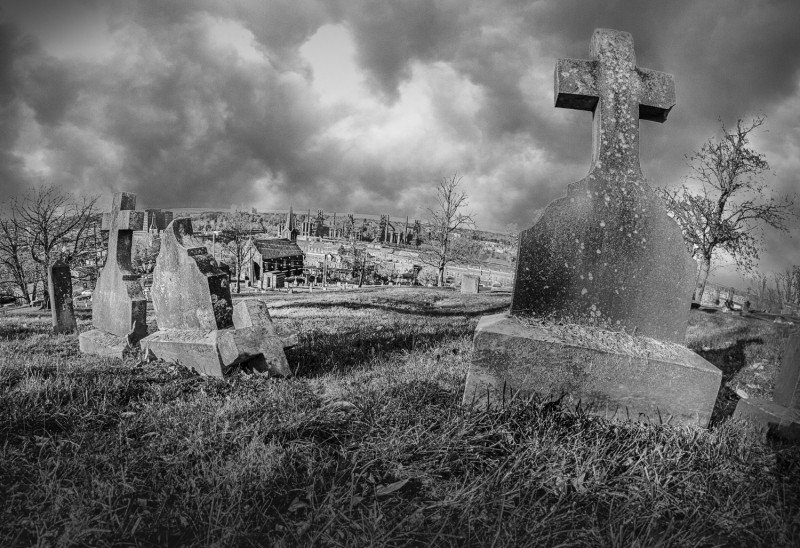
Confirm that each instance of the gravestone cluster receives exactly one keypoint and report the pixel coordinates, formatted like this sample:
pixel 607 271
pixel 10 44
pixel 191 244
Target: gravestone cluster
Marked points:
pixel 607 256
pixel 198 324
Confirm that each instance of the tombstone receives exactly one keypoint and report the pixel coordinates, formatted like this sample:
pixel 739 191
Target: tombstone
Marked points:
pixel 198 325
pixel 119 307
pixel 59 283
pixel 606 257
pixel 470 284
pixel 781 416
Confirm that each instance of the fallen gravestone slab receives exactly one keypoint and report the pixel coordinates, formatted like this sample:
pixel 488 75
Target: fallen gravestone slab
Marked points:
pixel 198 325
pixel 607 255
pixel 119 307
pixel 780 416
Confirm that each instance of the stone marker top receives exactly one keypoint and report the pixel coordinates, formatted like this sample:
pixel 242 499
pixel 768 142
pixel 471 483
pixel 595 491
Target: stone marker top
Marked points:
pixel 189 290
pixel 118 303
pixel 619 94
pixel 608 251
pixel 121 217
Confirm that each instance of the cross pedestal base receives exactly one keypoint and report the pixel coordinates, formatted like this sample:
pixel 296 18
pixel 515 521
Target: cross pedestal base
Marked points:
pixel 512 359
pixel 775 418
pixel 107 345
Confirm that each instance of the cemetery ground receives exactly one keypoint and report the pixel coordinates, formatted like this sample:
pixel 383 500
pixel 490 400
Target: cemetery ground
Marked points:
pixel 369 444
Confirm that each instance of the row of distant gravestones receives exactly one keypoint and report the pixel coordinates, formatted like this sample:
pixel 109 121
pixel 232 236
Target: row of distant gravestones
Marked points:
pixel 590 261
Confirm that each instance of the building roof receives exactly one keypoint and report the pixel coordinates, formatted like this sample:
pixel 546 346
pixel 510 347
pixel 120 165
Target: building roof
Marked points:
pixel 277 248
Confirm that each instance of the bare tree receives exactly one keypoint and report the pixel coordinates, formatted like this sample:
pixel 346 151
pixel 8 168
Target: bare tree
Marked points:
pixel 727 215
pixel 786 285
pixel 445 219
pixel 14 256
pixel 49 220
pixel 357 259
pixel 237 238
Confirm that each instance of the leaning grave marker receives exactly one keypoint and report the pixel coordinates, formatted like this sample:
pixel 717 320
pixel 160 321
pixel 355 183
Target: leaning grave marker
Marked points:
pixel 119 307
pixel 198 325
pixel 782 414
pixel 607 254
pixel 59 285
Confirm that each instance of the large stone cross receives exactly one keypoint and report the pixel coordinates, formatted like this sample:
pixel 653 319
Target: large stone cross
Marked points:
pixel 608 251
pixel 618 93
pixel 118 304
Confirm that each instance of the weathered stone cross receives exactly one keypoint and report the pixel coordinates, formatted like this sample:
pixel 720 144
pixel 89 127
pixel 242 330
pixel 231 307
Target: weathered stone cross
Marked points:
pixel 618 93
pixel 120 224
pixel 118 304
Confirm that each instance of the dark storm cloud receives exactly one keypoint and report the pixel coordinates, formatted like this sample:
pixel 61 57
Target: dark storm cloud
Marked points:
pixel 158 107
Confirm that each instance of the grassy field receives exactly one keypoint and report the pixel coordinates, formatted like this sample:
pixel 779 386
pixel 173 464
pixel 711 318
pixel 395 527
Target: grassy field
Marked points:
pixel 369 445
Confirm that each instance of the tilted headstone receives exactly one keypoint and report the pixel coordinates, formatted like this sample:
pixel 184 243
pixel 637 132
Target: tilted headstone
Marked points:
pixel 782 414
pixel 189 289
pixel 59 283
pixel 199 326
pixel 119 307
pixel 470 284
pixel 606 255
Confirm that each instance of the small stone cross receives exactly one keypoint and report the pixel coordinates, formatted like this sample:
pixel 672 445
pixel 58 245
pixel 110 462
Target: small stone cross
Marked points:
pixel 619 94
pixel 120 223
pixel 118 304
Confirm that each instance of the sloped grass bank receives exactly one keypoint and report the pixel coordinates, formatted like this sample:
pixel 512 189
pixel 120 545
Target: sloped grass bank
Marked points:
pixel 368 445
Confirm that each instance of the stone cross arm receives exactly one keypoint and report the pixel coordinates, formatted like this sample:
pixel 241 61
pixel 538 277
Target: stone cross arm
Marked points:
pixel 576 87
pixel 126 220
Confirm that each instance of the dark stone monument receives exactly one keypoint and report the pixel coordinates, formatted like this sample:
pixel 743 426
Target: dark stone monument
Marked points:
pixel 606 254
pixel 59 284
pixel 199 326
pixel 119 308
pixel 781 416
pixel 470 284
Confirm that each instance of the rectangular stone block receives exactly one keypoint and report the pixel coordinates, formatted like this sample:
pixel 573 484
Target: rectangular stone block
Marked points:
pixel 511 358
pixel 213 353
pixel 470 284
pixel 107 345
pixel 779 420
pixel 252 313
pixel 195 349
pixel 239 346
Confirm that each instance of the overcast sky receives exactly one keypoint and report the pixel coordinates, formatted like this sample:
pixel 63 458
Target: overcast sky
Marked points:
pixel 362 105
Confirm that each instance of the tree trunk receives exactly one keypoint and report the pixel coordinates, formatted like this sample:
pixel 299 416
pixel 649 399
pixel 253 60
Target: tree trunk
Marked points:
pixel 440 277
pixel 702 278
pixel 363 268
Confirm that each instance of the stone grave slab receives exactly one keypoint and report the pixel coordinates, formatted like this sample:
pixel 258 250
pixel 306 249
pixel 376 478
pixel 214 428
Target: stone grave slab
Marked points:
pixel 636 377
pixel 470 284
pixel 59 285
pixel 781 415
pixel 199 327
pixel 119 307
pixel 606 254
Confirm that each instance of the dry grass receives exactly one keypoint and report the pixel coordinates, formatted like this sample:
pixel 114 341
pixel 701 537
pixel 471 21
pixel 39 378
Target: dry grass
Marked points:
pixel 368 445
